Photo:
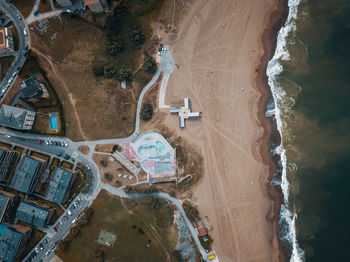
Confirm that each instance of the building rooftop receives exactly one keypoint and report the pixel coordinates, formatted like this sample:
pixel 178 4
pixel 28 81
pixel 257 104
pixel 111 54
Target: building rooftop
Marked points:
pixel 31 87
pixel 3 204
pixel 32 214
pixel 59 184
pixel 10 240
pixel 14 117
pixel 26 173
pixel 2 37
pixel 184 111
pixel 2 155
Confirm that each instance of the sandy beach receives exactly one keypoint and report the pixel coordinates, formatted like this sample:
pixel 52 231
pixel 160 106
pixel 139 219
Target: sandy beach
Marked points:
pixel 221 59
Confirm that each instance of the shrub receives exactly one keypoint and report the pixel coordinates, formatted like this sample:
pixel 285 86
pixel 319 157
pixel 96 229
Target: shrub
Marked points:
pixel 98 70
pixel 146 112
pixel 108 176
pixel 149 65
pixel 104 163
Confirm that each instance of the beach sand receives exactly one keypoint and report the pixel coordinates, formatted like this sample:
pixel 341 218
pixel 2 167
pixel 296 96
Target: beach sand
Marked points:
pixel 221 58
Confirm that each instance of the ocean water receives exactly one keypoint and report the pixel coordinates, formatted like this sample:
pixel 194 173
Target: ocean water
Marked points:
pixel 309 77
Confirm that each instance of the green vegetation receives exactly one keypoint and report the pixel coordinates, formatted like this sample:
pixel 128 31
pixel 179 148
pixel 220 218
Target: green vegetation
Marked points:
pixel 149 65
pixel 143 234
pixel 126 33
pixel 207 244
pixel 146 112
pixel 82 169
pixel 191 212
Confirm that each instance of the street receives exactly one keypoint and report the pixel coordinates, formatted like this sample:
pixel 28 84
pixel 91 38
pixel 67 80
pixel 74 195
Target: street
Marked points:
pixel 23 44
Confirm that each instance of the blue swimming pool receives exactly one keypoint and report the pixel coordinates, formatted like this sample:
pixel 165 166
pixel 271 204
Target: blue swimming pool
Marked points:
pixel 53 122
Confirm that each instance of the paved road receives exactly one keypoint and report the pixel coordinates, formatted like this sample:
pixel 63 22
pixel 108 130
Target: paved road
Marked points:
pixel 45 248
pixel 167 72
pixel 23 43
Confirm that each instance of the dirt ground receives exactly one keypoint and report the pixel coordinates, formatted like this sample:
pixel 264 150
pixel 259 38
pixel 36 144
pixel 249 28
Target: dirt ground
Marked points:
pixel 24 6
pixel 113 169
pixel 104 148
pixel 44 6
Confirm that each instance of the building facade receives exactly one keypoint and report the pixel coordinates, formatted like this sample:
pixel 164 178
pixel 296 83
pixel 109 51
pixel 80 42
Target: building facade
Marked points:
pixel 6 158
pixel 17 118
pixel 6 41
pixel 8 203
pixel 96 6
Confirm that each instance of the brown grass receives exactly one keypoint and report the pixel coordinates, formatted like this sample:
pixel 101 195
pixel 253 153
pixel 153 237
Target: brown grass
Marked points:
pixel 113 169
pixel 103 109
pixel 44 6
pixel 24 6
pixel 104 148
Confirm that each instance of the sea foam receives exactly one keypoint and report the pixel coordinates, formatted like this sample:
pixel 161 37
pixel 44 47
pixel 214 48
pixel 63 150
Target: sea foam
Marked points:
pixel 287 234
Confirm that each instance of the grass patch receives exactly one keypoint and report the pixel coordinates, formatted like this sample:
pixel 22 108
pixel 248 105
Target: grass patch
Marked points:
pixel 24 6
pixel 143 234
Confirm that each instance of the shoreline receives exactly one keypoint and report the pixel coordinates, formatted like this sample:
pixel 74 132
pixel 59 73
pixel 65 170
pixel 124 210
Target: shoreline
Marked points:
pixel 222 68
pixel 269 41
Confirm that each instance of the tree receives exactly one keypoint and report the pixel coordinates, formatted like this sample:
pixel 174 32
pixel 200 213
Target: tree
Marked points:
pixel 98 70
pixel 137 36
pixel 108 176
pixel 109 71
pixel 149 65
pixel 114 47
pixel 124 76
pixel 146 112
pixel 104 163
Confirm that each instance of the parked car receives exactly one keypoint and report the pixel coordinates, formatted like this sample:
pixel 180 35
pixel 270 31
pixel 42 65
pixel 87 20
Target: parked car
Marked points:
pixel 55 229
pixel 36 12
pixel 47 252
pixel 74 220
pixel 69 213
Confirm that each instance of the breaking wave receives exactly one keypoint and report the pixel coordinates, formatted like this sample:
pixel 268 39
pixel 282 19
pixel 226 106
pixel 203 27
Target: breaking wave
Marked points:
pixel 287 235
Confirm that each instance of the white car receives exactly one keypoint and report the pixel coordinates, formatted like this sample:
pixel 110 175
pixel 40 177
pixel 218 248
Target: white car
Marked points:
pixel 74 220
pixel 120 175
pixel 60 222
pixel 47 252
pixel 125 176
pixel 69 213
pixel 131 177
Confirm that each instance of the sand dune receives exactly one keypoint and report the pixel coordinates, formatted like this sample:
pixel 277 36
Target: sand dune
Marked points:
pixel 218 50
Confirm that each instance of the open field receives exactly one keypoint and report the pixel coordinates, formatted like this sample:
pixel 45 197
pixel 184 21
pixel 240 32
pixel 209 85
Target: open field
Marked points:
pixel 135 227
pixel 70 47
pixel 24 6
